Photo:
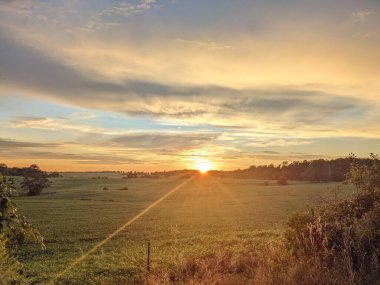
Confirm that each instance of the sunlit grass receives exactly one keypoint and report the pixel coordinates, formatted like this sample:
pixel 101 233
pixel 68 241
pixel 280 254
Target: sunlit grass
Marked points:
pixel 207 214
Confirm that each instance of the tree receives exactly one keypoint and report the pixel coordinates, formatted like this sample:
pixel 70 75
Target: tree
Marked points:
pixel 3 169
pixel 366 178
pixel 318 170
pixel 35 181
pixel 14 227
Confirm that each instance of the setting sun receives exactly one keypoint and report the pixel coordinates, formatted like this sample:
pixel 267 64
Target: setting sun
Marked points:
pixel 203 166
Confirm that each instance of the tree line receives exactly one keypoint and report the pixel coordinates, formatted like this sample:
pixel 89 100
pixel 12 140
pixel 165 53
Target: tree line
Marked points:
pixel 25 171
pixel 320 170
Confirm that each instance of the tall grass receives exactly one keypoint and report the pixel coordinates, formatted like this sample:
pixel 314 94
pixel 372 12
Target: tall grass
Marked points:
pixel 10 268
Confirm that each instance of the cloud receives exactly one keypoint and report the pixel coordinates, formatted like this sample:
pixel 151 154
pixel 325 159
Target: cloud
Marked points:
pixel 24 7
pixel 167 142
pixel 128 9
pixel 279 142
pixel 289 157
pixel 360 16
pixel 61 124
pixel 107 17
pixel 6 144
pixel 273 107
pixel 270 152
pixel 203 44
pixel 80 159
pixel 13 149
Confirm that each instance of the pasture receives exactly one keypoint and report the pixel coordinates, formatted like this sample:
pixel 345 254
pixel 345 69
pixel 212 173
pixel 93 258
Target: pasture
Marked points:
pixel 207 214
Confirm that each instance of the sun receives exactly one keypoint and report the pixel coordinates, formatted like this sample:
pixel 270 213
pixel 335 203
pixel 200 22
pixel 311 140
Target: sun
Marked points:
pixel 203 166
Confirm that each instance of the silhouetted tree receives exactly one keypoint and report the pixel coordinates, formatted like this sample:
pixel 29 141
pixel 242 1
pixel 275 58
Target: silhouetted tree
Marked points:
pixel 35 181
pixel 3 169
pixel 318 170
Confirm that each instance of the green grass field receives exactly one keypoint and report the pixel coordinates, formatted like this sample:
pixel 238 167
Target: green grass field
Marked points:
pixel 207 214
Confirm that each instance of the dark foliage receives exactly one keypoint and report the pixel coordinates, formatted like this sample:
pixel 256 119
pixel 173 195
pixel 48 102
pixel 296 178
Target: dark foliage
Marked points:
pixel 13 226
pixel 35 180
pixel 24 171
pixel 315 170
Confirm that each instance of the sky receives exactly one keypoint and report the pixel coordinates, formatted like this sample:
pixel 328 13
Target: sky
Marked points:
pixel 155 85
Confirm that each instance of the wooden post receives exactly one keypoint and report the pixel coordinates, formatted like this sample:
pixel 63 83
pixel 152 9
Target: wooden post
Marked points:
pixel 148 257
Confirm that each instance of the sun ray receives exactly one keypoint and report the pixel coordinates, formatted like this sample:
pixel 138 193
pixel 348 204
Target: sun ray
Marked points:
pixel 78 260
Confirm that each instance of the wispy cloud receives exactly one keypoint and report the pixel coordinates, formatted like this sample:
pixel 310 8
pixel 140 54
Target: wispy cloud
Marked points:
pixel 169 142
pixel 280 142
pixel 7 144
pixel 59 124
pixel 128 9
pixel 361 16
pixel 203 44
pixel 106 17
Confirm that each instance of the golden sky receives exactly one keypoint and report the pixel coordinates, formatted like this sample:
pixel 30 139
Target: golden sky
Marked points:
pixel 152 85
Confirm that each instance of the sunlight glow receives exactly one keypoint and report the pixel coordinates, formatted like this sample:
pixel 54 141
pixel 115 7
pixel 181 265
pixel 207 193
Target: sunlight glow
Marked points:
pixel 203 166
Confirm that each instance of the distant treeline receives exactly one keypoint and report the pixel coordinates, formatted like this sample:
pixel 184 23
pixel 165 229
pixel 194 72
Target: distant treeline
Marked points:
pixel 308 170
pixel 313 170
pixel 25 171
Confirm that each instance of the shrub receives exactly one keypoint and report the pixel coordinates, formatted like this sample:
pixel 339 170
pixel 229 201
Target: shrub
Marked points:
pixel 344 235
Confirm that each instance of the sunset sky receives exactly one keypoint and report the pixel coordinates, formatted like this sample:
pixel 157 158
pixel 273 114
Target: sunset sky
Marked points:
pixel 153 85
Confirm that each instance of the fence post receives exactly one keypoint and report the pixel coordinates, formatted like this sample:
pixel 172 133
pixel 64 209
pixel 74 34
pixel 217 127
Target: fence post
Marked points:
pixel 148 257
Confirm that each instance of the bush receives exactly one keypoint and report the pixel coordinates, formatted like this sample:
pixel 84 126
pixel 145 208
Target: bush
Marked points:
pixel 343 235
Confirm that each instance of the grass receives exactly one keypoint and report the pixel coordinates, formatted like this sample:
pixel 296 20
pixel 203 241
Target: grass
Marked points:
pixel 206 215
